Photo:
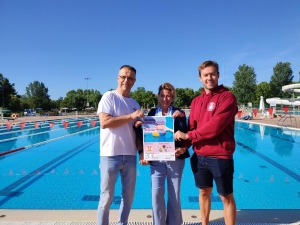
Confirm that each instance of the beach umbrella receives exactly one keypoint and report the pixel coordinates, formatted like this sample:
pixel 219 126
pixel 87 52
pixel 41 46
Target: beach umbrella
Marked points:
pixel 261 104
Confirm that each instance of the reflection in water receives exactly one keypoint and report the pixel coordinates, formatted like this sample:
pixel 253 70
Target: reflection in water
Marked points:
pixel 41 135
pixel 246 134
pixel 9 145
pixel 283 143
pixel 262 131
pixel 74 128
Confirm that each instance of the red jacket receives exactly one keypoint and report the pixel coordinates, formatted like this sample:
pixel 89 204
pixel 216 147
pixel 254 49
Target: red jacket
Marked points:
pixel 211 123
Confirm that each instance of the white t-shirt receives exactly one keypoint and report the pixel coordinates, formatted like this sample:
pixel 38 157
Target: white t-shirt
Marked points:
pixel 119 140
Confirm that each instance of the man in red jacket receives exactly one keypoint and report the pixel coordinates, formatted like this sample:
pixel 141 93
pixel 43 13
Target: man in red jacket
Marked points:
pixel 211 132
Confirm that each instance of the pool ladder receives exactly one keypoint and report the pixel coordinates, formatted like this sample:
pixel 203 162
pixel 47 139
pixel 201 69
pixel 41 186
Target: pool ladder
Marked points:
pixel 284 118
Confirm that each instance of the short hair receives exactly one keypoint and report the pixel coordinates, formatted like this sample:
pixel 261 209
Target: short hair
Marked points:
pixel 131 68
pixel 169 87
pixel 207 64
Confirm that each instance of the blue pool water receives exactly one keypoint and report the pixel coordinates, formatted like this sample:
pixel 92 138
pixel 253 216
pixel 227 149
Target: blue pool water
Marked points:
pixel 292 112
pixel 64 173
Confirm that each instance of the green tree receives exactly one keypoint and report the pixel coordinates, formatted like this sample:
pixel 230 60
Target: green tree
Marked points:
pixel 146 99
pixel 24 104
pixel 15 103
pixel 55 104
pixel 282 75
pixel 244 84
pixel 262 89
pixel 69 100
pixel 80 99
pixel 7 91
pixel 94 98
pixel 184 97
pixel 37 95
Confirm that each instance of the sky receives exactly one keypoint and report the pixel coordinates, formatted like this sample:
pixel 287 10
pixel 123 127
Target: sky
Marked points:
pixel 62 42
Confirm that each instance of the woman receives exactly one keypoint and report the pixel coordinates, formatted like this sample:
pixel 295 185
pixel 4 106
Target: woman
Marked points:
pixel 170 170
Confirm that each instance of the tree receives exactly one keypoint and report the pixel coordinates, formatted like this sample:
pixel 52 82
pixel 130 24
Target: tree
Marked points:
pixel 244 84
pixel 282 75
pixel 7 91
pixel 70 100
pixel 55 104
pixel 94 98
pixel 78 99
pixel 184 97
pixel 145 98
pixel 15 103
pixel 37 95
pixel 262 89
pixel 24 102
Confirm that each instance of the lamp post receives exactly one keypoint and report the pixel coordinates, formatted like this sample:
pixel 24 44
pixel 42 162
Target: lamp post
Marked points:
pixel 87 88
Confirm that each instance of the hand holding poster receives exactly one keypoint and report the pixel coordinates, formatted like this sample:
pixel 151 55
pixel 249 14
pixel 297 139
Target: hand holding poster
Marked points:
pixel 158 138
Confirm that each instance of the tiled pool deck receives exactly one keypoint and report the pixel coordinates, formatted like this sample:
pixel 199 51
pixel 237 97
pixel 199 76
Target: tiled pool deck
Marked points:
pixel 190 217
pixel 14 217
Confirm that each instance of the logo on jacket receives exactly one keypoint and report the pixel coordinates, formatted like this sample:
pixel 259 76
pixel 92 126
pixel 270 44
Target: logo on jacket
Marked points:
pixel 211 106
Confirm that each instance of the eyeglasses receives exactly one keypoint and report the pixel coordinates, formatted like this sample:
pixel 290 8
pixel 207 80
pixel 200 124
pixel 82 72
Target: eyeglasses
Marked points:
pixel 128 78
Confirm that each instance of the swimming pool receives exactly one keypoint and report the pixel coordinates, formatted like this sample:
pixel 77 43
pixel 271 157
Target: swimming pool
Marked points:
pixel 64 173
pixel 291 111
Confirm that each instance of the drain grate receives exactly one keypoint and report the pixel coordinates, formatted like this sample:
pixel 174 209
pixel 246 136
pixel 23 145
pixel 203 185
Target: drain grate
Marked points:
pixel 130 223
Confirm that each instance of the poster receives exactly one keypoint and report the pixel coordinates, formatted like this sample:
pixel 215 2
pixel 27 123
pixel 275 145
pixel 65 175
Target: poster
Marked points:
pixel 158 140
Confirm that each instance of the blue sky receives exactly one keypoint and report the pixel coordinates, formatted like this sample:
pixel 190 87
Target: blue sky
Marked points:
pixel 61 42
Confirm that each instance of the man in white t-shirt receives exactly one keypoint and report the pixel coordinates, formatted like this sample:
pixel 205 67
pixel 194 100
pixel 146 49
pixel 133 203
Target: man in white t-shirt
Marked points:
pixel 117 113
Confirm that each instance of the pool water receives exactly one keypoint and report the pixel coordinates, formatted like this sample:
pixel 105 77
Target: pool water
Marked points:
pixel 64 173
pixel 31 135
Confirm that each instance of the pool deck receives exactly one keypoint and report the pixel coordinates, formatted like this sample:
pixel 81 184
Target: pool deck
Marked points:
pixel 191 217
pixel 11 217
pixel 290 121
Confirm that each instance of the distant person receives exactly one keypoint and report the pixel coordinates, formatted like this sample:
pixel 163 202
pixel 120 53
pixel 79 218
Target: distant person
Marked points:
pixel 117 113
pixel 170 171
pixel 249 116
pixel 211 132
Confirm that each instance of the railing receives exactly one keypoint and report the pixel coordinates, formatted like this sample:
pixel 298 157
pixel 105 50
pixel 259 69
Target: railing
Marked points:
pixel 284 118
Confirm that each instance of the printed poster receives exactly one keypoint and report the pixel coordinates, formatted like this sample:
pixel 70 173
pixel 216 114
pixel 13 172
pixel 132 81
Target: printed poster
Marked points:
pixel 158 138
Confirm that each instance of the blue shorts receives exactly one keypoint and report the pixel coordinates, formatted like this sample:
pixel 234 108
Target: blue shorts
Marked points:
pixel 220 170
